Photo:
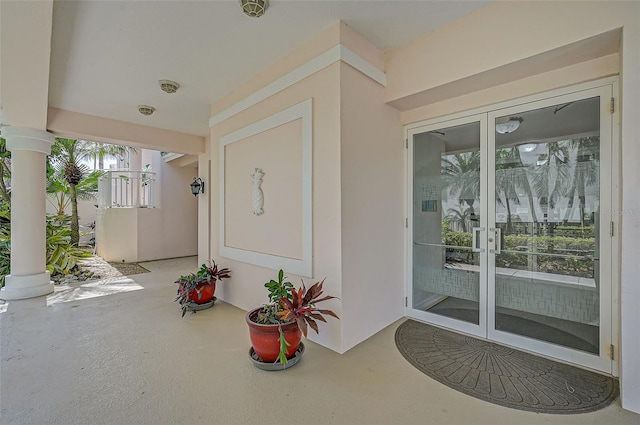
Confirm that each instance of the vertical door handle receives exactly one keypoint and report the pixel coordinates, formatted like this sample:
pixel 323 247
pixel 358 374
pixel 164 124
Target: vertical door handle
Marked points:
pixel 498 245
pixel 476 239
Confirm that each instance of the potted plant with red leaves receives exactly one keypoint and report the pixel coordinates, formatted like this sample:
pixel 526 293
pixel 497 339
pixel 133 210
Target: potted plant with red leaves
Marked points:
pixel 276 328
pixel 195 290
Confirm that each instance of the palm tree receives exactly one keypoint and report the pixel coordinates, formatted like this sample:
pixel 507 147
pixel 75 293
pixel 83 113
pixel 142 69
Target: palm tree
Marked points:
pixel 105 150
pixel 508 168
pixel 552 177
pixel 459 217
pixel 58 186
pixel 461 175
pixel 66 157
pixel 5 170
pixel 586 172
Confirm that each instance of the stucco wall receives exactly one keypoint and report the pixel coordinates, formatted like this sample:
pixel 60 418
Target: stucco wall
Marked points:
pixel 246 288
pixel 141 234
pixel 173 232
pixel 372 162
pixel 357 160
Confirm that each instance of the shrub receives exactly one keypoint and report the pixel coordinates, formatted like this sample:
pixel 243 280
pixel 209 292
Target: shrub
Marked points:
pixel 556 246
pixel 62 257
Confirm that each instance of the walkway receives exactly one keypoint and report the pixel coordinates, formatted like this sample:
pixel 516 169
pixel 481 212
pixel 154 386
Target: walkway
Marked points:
pixel 128 358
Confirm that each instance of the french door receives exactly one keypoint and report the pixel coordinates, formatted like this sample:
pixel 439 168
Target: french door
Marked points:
pixel 510 231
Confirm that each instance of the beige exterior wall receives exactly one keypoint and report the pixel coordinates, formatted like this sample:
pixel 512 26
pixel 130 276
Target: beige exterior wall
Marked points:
pixel 24 69
pixel 357 161
pixel 142 234
pixel 500 35
pixel 246 289
pixel 372 197
pixel 204 204
pixel 278 153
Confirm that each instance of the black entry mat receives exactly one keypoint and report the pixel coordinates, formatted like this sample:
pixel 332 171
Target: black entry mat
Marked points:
pixel 502 375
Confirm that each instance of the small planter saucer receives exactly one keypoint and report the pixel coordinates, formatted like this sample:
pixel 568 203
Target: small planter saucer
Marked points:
pixel 197 307
pixel 257 362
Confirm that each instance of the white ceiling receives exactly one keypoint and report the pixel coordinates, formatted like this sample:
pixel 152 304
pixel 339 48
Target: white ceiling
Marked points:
pixel 107 56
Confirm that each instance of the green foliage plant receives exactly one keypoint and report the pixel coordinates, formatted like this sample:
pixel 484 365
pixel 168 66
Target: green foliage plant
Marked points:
pixel 516 247
pixel 62 257
pixel 286 304
pixel 187 284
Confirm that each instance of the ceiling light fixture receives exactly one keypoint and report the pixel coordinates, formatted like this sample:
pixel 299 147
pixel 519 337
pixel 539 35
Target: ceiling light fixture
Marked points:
pixel 146 109
pixel 507 125
pixel 254 8
pixel 169 86
pixel 527 147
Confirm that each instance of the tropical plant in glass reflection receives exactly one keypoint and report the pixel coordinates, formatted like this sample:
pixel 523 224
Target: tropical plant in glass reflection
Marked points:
pixel 461 177
pixel 511 177
pixel 586 172
pixel 552 175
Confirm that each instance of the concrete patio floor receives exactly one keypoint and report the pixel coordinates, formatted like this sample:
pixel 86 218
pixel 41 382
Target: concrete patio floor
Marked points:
pixel 128 358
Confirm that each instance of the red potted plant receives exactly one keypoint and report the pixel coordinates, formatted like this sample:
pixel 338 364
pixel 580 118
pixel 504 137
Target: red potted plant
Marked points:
pixel 276 328
pixel 197 289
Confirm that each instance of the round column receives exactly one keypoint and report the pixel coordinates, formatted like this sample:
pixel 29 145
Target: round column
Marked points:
pixel 29 277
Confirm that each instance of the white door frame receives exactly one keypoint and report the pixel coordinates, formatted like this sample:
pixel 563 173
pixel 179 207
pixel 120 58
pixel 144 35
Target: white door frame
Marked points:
pixel 609 245
pixel 436 319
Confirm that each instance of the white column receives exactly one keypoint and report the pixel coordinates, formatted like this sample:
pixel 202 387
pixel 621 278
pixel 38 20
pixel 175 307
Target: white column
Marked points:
pixel 29 149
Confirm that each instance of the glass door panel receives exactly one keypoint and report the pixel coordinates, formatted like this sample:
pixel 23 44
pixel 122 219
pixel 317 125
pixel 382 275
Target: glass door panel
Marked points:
pixel 446 211
pixel 546 226
pixel 509 228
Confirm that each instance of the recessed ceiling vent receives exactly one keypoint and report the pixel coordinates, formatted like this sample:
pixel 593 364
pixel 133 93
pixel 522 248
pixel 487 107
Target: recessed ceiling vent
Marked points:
pixel 169 86
pixel 254 8
pixel 146 109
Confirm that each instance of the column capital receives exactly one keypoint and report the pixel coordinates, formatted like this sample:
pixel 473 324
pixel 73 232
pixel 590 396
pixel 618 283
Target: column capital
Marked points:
pixel 28 139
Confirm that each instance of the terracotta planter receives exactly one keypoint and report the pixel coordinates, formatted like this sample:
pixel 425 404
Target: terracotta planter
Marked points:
pixel 203 293
pixel 265 339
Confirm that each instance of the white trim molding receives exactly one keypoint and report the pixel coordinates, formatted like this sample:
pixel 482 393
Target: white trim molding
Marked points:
pixel 303 267
pixel 170 156
pixel 334 54
pixel 28 139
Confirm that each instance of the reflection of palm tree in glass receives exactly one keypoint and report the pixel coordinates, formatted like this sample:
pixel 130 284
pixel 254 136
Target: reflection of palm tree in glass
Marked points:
pixel 461 176
pixel 552 176
pixel 508 167
pixel 459 217
pixel 512 178
pixel 586 172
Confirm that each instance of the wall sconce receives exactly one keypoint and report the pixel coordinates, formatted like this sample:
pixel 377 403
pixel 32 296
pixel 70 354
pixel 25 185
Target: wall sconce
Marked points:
pixel 197 186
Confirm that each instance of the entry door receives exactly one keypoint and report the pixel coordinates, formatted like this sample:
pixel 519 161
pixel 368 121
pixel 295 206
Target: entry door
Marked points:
pixel 509 226
pixel 550 259
pixel 448 210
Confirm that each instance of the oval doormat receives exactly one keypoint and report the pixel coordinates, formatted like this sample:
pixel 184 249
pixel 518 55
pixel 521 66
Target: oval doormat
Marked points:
pixel 502 375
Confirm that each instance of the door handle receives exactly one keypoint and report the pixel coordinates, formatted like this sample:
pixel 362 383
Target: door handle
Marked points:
pixel 476 239
pixel 498 245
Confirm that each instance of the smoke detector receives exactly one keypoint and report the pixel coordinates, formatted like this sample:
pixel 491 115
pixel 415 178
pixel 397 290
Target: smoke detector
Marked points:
pixel 169 86
pixel 146 109
pixel 254 8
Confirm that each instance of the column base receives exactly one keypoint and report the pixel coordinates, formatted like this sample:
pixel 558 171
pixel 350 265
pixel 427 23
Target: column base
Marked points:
pixel 29 286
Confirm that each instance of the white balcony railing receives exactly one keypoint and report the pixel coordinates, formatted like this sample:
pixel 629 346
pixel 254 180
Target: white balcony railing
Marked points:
pixel 126 189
